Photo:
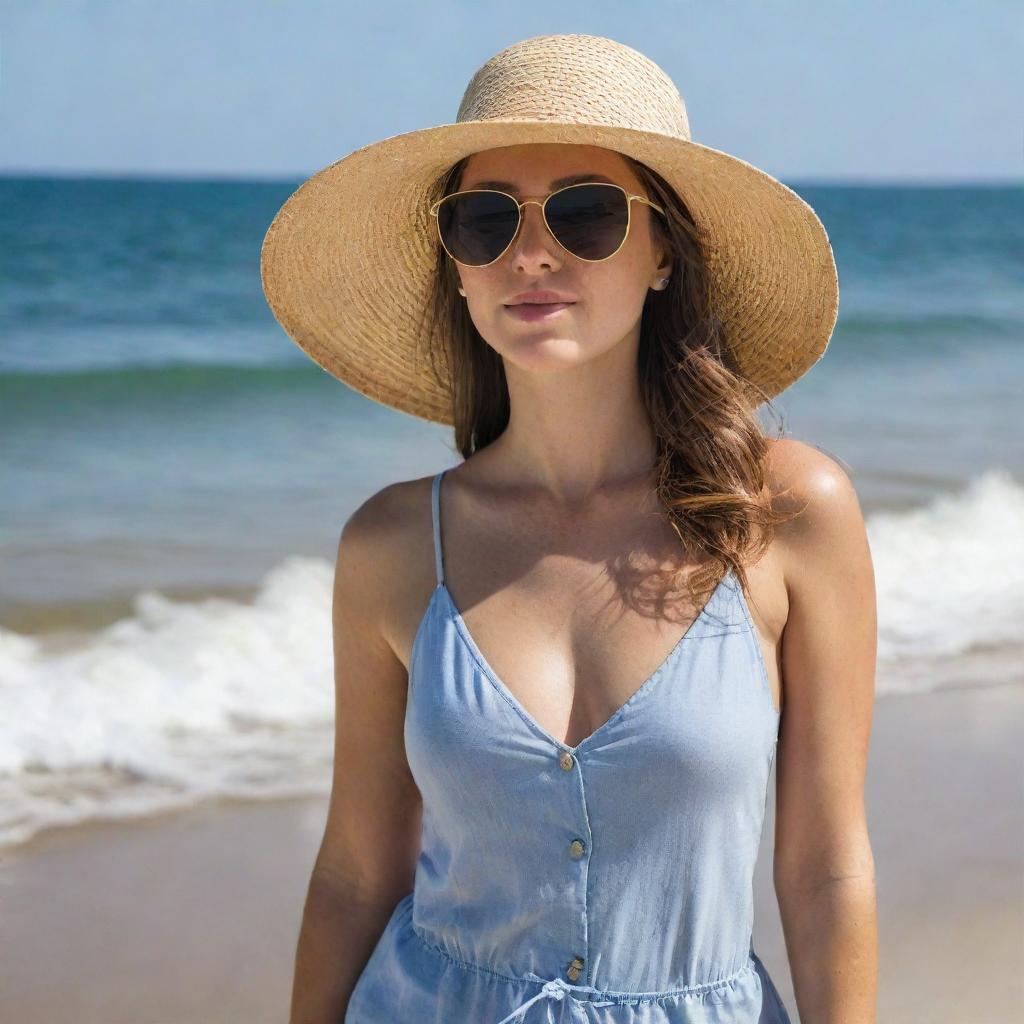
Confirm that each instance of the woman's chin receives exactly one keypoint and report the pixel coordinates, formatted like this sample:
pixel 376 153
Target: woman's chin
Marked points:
pixel 543 352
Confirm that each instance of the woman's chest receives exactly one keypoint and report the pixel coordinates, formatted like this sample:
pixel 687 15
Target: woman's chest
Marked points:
pixel 704 713
pixel 569 654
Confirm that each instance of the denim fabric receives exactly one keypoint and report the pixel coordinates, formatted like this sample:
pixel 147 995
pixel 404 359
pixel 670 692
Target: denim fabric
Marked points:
pixel 630 855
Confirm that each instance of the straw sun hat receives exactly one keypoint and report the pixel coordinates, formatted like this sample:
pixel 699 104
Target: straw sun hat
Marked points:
pixel 348 260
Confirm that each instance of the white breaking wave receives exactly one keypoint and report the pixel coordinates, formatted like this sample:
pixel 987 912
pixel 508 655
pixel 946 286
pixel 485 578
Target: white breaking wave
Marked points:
pixel 180 702
pixel 950 584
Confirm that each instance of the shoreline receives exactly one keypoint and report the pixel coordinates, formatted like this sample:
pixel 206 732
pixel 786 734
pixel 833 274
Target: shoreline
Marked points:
pixel 66 622
pixel 192 915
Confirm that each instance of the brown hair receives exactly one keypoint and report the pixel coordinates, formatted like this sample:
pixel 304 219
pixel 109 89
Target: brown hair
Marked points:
pixel 711 449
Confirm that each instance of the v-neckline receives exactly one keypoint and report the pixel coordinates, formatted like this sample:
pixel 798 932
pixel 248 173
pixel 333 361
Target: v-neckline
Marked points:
pixel 496 681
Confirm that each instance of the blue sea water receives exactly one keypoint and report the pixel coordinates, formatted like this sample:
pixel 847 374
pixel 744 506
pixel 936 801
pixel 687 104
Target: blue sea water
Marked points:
pixel 174 473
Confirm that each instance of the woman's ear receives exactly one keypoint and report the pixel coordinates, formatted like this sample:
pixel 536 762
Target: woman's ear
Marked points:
pixel 662 275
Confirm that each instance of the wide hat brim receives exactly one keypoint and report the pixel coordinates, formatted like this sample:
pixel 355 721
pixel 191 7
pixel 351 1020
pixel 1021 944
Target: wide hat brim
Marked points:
pixel 348 261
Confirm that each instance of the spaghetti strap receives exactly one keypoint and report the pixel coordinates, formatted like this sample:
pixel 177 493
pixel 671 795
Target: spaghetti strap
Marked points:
pixel 436 520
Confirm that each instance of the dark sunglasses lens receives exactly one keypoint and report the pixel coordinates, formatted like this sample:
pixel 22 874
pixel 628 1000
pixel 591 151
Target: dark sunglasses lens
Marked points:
pixel 477 226
pixel 589 220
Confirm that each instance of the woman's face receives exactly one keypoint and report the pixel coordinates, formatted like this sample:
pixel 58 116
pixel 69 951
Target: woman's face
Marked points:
pixel 607 297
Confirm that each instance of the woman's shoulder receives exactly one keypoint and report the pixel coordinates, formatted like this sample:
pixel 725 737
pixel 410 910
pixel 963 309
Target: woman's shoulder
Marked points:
pixel 388 525
pixel 385 561
pixel 790 455
pixel 802 472
pixel 815 485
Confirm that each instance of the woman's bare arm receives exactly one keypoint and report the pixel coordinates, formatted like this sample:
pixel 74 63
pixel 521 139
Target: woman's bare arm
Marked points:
pixel 367 857
pixel 824 868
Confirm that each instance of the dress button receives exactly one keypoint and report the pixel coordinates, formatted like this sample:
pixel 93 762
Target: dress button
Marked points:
pixel 576 849
pixel 566 761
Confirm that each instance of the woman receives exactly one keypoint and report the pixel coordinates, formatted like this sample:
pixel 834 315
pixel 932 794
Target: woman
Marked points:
pixel 562 666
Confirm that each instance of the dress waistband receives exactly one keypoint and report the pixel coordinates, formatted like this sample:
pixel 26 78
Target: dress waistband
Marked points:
pixel 556 988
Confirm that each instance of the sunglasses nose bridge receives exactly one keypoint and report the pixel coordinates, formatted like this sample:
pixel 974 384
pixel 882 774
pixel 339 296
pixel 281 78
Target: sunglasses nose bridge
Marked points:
pixel 522 221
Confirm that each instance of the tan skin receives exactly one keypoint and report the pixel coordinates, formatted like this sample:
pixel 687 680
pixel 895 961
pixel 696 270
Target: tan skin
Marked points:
pixel 535 530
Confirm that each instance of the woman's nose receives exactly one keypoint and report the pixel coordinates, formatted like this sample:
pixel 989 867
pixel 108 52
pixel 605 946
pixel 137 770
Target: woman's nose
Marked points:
pixel 534 242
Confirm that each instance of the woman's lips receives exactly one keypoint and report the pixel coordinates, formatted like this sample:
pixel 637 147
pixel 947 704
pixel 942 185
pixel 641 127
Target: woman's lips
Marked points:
pixel 538 310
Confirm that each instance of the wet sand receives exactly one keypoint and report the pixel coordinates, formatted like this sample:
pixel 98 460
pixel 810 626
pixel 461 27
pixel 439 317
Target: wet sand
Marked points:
pixel 192 917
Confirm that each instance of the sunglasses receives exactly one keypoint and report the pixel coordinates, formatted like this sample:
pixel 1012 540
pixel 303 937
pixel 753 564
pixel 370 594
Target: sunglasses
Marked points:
pixel 590 221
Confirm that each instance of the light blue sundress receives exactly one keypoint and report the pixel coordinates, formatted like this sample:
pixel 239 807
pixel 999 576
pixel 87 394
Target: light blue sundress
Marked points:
pixel 606 883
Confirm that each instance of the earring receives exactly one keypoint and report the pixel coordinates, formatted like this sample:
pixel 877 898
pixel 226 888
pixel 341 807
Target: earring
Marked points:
pixel 462 293
pixel 664 282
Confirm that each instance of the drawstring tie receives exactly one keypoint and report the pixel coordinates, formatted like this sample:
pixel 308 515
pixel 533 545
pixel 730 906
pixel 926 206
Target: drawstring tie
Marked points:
pixel 556 988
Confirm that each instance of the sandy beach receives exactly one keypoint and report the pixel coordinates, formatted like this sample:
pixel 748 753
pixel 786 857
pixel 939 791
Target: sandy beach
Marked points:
pixel 192 917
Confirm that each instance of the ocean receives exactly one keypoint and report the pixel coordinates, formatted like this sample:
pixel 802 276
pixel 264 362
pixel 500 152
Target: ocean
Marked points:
pixel 175 473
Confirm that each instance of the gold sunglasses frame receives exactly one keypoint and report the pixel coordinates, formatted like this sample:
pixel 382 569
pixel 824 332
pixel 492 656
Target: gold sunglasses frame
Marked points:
pixel 542 203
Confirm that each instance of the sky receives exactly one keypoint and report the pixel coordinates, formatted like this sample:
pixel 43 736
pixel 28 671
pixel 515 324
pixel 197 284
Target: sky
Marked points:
pixel 854 91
